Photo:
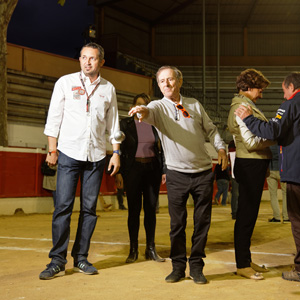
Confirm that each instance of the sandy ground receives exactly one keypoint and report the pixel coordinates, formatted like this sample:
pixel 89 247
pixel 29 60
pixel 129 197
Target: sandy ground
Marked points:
pixel 25 241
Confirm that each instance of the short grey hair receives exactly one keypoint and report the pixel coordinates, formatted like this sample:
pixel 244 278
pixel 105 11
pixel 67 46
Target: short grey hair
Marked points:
pixel 177 72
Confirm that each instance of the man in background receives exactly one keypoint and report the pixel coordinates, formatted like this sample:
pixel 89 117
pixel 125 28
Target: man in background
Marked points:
pixel 285 128
pixel 272 181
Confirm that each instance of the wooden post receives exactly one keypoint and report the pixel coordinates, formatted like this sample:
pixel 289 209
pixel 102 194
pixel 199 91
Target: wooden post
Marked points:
pixel 6 10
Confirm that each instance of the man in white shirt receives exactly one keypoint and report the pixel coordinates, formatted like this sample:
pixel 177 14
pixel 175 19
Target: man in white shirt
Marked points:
pixel 82 108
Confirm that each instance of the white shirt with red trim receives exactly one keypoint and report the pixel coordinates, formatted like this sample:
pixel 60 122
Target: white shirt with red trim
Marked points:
pixel 81 133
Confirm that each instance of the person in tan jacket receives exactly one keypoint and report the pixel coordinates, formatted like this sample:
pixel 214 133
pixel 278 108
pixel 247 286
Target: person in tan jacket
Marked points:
pixel 250 169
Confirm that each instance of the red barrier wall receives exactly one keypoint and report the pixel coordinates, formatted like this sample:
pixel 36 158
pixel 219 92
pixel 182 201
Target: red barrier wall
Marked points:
pixel 20 174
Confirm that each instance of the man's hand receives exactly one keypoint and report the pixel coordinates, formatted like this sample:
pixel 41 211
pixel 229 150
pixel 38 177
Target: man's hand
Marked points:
pixel 222 159
pixel 141 111
pixel 115 163
pixel 163 178
pixel 243 112
pixel 51 159
pixel 119 181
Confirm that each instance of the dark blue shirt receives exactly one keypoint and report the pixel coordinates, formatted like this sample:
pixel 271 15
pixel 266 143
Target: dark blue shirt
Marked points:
pixel 285 128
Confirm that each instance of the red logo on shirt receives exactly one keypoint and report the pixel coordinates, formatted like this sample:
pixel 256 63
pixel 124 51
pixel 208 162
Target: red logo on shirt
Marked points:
pixel 75 88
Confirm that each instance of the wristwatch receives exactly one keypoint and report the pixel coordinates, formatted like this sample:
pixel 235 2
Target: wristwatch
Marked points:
pixel 117 151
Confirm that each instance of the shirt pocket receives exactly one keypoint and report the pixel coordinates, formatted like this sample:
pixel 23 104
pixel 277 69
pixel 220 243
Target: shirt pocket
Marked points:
pixel 100 105
pixel 74 101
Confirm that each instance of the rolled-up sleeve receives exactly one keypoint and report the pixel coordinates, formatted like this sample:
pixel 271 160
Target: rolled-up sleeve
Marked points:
pixel 56 110
pixel 113 125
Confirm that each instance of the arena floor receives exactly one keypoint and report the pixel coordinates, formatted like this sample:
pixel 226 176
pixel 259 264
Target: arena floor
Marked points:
pixel 25 241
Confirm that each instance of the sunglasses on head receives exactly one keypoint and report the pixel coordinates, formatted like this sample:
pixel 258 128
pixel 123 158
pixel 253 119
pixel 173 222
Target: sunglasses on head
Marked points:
pixel 184 112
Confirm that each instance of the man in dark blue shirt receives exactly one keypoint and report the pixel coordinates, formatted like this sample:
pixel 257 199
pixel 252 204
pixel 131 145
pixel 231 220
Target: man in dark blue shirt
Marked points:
pixel 285 128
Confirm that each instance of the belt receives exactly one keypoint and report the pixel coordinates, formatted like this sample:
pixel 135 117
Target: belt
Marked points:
pixel 144 160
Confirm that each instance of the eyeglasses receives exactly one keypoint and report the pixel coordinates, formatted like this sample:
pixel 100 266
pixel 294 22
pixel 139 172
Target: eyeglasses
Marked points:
pixel 183 110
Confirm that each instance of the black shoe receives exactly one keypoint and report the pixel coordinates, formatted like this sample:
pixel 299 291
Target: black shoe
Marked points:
pixel 287 221
pixel 52 270
pixel 273 220
pixel 198 277
pixel 133 253
pixel 175 276
pixel 122 207
pixel 151 254
pixel 85 267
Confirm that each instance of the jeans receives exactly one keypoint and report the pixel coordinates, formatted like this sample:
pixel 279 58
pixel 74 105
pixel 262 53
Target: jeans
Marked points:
pixel 68 173
pixel 223 185
pixel 54 197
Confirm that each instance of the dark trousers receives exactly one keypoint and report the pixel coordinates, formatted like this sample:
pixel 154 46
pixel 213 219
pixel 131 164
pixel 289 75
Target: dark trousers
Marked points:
pixel 250 175
pixel 234 196
pixel 120 194
pixel 142 184
pixel 179 186
pixel 293 207
pixel 68 173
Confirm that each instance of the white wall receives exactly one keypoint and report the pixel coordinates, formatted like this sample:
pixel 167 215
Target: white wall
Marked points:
pixel 26 136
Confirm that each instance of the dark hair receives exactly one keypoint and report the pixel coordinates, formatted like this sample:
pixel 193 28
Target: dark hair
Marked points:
pixel 293 78
pixel 143 96
pixel 251 78
pixel 95 46
pixel 178 73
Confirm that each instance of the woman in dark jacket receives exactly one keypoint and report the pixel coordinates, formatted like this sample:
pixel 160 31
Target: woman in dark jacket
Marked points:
pixel 141 169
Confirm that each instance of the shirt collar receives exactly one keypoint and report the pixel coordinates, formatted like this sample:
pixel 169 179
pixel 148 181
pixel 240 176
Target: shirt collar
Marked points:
pixel 180 101
pixel 86 79
pixel 294 94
